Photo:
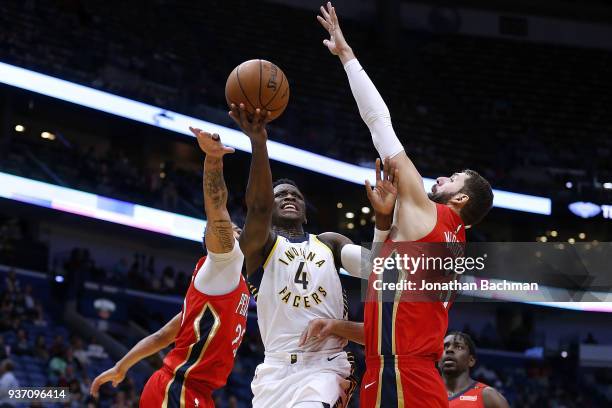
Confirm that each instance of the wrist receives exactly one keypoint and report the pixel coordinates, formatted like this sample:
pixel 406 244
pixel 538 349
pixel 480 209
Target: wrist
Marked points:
pixel 383 221
pixel 120 368
pixel 213 162
pixel 346 54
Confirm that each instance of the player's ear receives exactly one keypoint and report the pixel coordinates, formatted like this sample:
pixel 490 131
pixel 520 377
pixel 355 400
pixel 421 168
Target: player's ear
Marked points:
pixel 459 199
pixel 471 362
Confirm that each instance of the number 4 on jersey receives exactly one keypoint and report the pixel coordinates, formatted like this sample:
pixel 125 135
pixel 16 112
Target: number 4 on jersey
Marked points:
pixel 300 276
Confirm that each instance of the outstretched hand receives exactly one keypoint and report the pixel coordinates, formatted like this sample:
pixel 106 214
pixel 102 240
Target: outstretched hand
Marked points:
pixel 384 194
pixel 211 143
pixel 336 43
pixel 253 125
pixel 113 375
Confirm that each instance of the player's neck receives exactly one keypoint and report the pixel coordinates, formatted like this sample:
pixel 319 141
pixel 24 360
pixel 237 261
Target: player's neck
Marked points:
pixel 458 383
pixel 289 231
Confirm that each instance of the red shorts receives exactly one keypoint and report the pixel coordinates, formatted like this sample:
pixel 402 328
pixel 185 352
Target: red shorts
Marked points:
pixel 188 395
pixel 405 382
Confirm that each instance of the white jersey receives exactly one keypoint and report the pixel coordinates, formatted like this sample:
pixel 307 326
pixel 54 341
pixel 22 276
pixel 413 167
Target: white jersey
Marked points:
pixel 299 282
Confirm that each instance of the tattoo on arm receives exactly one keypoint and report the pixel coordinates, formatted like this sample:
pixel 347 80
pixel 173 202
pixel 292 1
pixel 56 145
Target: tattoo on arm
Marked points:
pixel 222 229
pixel 214 188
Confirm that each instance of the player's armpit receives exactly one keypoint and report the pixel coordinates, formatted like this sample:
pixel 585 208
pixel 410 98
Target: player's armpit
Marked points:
pixel 256 242
pixel 491 398
pixel 335 242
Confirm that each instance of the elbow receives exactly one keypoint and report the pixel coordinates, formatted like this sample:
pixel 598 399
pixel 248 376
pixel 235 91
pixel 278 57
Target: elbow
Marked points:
pixel 375 115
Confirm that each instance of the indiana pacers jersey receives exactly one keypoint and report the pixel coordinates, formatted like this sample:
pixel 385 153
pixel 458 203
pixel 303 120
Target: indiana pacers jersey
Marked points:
pixel 298 282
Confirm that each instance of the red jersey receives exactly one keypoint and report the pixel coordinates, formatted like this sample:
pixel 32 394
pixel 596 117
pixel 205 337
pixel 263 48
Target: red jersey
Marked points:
pixel 471 397
pixel 211 331
pixel 404 335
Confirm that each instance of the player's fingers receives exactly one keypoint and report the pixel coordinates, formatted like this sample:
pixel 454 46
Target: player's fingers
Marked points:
pixel 377 166
pixel 303 337
pixel 395 178
pixel 332 12
pixel 369 190
pixel 325 14
pixel 268 117
pixel 228 150
pixel 324 23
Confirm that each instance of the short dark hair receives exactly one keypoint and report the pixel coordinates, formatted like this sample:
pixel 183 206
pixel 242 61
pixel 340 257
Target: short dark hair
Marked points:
pixel 467 339
pixel 284 181
pixel 481 198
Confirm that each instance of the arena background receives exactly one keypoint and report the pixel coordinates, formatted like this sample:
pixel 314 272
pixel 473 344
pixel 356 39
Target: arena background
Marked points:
pixel 519 90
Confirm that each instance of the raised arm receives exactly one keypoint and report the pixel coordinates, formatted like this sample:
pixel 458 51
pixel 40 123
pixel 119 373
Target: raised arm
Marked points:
pixel 143 349
pixel 257 237
pixel 219 232
pixel 374 113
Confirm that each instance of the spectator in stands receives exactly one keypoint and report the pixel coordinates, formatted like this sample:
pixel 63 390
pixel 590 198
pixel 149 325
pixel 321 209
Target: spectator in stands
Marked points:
pixel 57 368
pixel 58 348
pixel 39 318
pixel 29 303
pixel 40 348
pixel 79 352
pixel 7 382
pixel 11 284
pixel 22 344
pixel 5 350
pixel 168 280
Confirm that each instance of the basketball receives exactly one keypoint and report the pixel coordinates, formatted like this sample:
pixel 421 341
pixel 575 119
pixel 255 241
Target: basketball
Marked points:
pixel 258 84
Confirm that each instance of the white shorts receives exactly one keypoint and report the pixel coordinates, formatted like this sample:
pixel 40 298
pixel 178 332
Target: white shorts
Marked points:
pixel 285 379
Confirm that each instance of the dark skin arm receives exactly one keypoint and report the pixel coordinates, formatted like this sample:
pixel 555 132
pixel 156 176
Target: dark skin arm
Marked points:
pixel 257 237
pixel 493 399
pixel 320 329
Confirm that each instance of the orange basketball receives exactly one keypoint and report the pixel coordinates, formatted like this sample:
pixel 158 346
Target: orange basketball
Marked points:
pixel 258 84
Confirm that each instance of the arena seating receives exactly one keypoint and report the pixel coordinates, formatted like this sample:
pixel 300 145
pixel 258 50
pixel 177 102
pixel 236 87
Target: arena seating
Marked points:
pixel 450 96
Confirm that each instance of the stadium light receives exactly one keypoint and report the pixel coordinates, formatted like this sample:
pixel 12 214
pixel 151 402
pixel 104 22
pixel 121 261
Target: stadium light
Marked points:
pixel 176 122
pixel 100 207
pixel 19 128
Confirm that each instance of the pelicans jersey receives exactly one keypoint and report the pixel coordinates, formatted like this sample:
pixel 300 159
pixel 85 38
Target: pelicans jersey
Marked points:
pixel 211 331
pixel 471 397
pixel 404 335
pixel 297 283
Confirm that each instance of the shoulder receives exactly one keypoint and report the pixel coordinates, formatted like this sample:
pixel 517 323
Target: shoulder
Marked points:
pixel 333 239
pixel 492 398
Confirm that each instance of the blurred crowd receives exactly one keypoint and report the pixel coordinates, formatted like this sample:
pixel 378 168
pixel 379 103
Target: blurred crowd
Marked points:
pixel 449 95
pixel 36 350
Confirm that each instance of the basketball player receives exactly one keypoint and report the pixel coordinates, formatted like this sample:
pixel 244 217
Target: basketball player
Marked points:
pixel 209 329
pixel 294 276
pixel 463 392
pixel 404 338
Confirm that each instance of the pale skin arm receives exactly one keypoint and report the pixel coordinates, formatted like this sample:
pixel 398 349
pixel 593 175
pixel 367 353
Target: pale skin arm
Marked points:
pixel 143 349
pixel 219 233
pixel 319 329
pixel 410 186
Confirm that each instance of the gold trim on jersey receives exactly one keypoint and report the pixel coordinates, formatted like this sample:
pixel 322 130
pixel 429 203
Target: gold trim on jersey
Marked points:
pixel 278 237
pixel 382 360
pixel 318 241
pixel 398 376
pixel 196 328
